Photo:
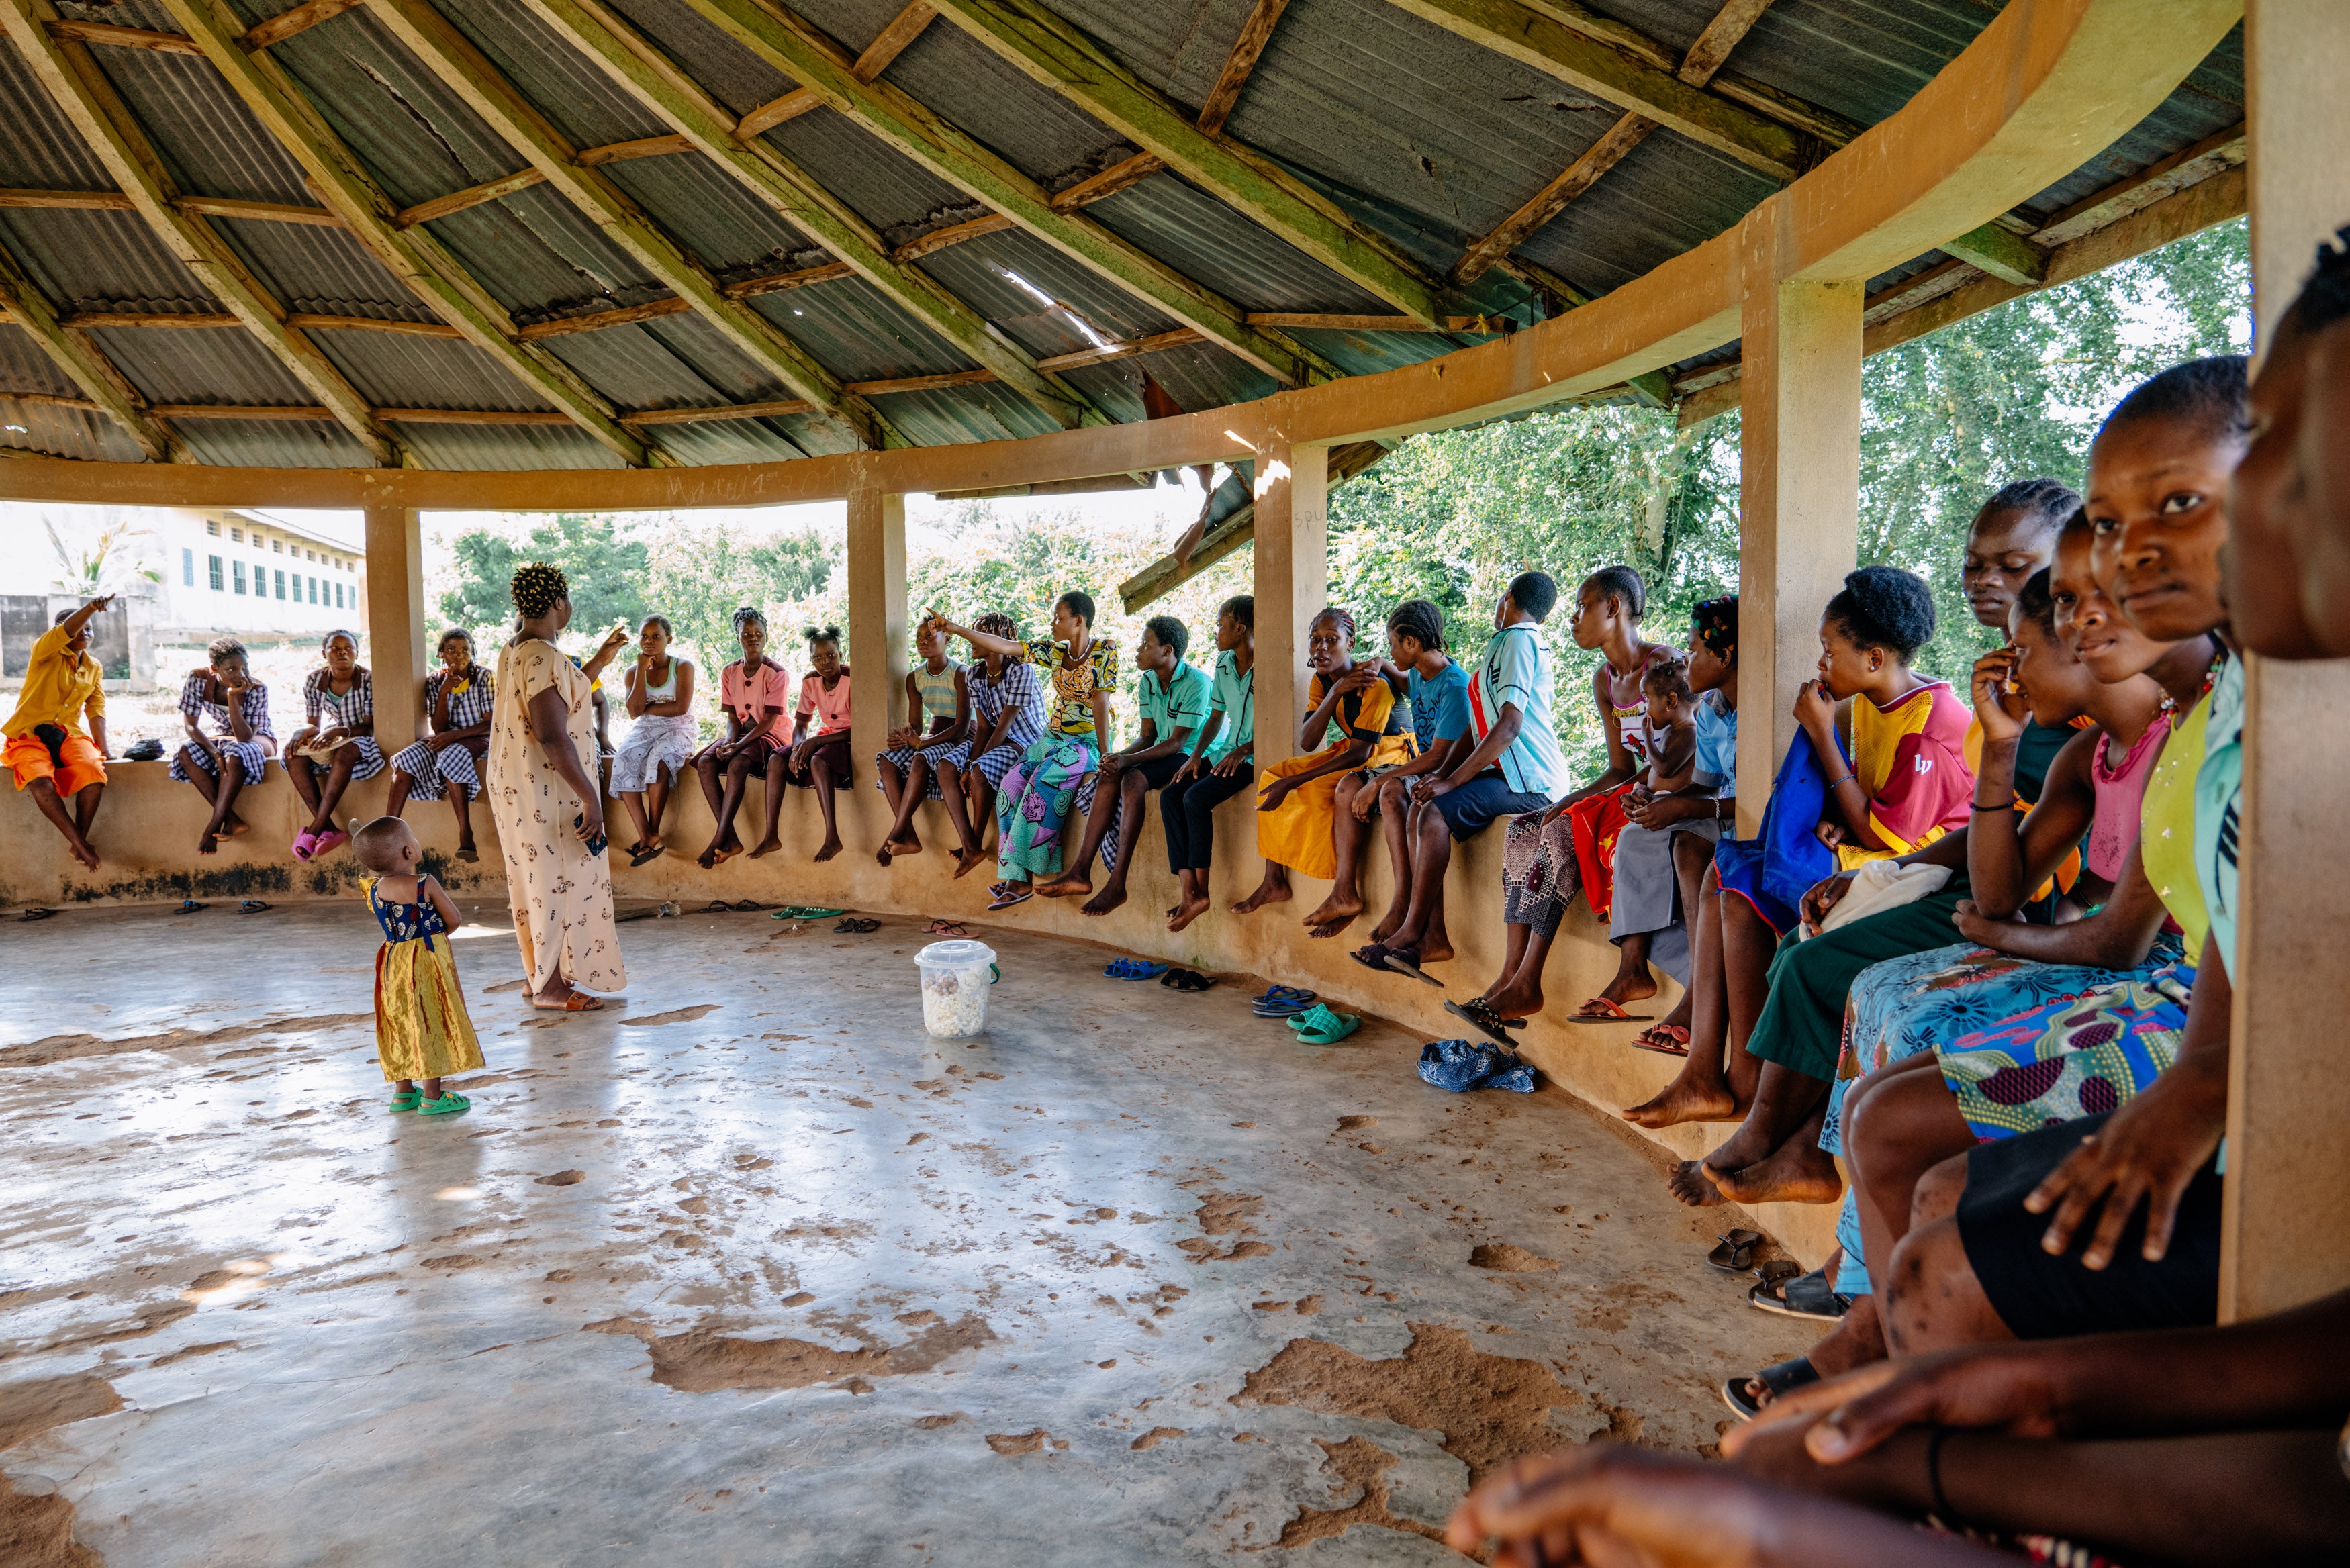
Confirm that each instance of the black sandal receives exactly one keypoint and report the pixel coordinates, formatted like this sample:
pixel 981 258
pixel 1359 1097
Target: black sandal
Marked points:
pixel 36 915
pixel 1736 1251
pixel 1373 956
pixel 1405 960
pixel 1778 1379
pixel 1185 980
pixel 252 906
pixel 1485 1021
pixel 854 926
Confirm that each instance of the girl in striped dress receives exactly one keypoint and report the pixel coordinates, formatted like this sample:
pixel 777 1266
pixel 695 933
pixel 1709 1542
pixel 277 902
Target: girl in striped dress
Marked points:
pixel 219 765
pixel 336 744
pixel 457 699
pixel 422 1032
pixel 1007 714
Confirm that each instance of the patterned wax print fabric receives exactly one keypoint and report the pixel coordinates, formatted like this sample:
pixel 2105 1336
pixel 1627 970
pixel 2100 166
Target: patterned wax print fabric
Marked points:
pixel 197 704
pixel 2218 780
pixel 830 709
pixel 1546 860
pixel 1513 670
pixel 746 698
pixel 1033 804
pixel 1439 704
pixel 561 894
pixel 2076 1057
pixel 1908 759
pixel 324 709
pixel 421 1028
pixel 1297 833
pixel 1233 696
pixel 1074 685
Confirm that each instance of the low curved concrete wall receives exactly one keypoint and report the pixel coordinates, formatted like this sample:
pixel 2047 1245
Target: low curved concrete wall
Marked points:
pixel 147 826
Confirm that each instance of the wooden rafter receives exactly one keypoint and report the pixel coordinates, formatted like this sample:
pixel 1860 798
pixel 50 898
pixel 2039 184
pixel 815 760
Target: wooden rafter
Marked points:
pixel 302 18
pixel 122 38
pixel 642 147
pixel 776 283
pixel 797 48
pixel 1119 176
pixel 1127 350
pixel 1614 75
pixel 893 41
pixel 450 56
pixel 107 389
pixel 952 235
pixel 1056 55
pixel 570 326
pixel 309 323
pixel 1705 59
pixel 413 254
pixel 636 65
pixel 771 114
pixel 87 98
pixel 470 196
pixel 260 212
pixel 85 320
pixel 1256 32
pixel 724 413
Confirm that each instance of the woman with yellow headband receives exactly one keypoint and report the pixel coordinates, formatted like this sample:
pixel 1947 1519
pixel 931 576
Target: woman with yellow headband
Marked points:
pixel 548 807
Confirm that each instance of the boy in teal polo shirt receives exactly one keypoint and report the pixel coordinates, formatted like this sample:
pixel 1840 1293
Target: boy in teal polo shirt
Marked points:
pixel 1221 766
pixel 1174 698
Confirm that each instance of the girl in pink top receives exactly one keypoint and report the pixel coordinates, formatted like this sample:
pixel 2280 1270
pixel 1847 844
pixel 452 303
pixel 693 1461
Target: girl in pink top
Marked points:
pixel 820 761
pixel 755 690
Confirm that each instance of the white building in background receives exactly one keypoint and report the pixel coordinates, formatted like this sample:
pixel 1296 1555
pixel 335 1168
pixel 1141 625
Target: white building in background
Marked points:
pixel 260 578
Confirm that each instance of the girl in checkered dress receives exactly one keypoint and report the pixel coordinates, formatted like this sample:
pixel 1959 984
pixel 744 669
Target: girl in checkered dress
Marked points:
pixel 449 764
pixel 1007 714
pixel 222 763
pixel 338 713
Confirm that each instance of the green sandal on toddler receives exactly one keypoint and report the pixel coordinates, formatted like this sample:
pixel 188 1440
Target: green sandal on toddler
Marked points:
pixel 448 1104
pixel 406 1100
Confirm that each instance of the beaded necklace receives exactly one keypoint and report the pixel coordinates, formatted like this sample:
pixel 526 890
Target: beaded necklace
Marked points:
pixel 2169 710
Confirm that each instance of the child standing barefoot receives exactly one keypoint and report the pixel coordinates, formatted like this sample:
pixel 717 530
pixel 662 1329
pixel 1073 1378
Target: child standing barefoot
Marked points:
pixel 421 1031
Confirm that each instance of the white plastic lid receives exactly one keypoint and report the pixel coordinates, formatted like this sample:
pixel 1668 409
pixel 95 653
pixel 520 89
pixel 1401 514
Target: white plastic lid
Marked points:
pixel 955 955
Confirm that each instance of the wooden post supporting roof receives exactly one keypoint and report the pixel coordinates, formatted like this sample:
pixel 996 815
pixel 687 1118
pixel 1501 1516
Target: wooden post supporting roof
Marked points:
pixel 397 641
pixel 1293 583
pixel 1799 511
pixel 2286 1212
pixel 877 626
pixel 1056 55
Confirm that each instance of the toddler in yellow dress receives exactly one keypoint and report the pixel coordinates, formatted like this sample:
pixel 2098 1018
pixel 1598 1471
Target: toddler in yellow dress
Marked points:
pixel 421 1031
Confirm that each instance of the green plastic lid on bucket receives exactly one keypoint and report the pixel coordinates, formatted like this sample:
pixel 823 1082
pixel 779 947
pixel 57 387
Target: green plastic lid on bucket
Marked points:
pixel 953 955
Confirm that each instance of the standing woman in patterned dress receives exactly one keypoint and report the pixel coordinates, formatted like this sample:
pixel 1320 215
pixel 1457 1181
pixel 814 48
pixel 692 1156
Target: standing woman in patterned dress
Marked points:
pixel 222 765
pixel 449 762
pixel 338 717
pixel 549 808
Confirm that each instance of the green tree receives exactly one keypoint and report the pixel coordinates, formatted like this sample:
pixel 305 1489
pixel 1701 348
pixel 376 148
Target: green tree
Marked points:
pixel 606 571
pixel 698 574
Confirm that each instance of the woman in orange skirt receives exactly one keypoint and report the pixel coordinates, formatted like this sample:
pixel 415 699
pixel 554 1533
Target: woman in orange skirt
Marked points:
pixel 1297 799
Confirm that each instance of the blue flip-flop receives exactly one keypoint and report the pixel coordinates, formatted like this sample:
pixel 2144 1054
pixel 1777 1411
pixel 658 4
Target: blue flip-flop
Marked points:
pixel 1283 995
pixel 1134 969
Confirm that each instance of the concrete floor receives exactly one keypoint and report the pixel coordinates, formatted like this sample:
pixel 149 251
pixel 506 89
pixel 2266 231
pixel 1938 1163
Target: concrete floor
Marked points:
pixel 750 1270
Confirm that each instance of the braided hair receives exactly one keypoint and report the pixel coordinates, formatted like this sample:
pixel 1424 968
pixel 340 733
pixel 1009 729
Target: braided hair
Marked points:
pixel 1715 622
pixel 817 634
pixel 749 616
pixel 1418 620
pixel 1342 618
pixel 536 587
pixel 995 623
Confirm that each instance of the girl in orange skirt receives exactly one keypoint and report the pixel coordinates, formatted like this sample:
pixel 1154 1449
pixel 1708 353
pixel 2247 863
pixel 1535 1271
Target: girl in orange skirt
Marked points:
pixel 1297 799
pixel 422 1032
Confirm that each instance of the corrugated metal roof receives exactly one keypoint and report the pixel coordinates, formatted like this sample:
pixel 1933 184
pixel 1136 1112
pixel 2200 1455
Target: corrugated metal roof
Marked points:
pixel 1418 134
pixel 51 430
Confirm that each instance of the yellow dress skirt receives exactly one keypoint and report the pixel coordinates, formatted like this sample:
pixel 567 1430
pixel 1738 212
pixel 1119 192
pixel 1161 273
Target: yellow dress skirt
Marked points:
pixel 422 1030
pixel 1297 833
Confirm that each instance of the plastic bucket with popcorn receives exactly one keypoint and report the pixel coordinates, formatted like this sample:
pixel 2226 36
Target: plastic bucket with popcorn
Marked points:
pixel 956 976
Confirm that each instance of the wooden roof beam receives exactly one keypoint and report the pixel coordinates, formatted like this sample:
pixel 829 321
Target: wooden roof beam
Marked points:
pixel 300 19
pixel 776 283
pixel 450 56
pixel 1256 32
pixel 470 196
pixel 937 240
pixel 107 389
pixel 1764 100
pixel 412 256
pixel 309 323
pixel 1119 176
pixel 1151 345
pixel 1704 59
pixel 642 147
pixel 1165 575
pixel 895 39
pixel 723 412
pixel 1612 74
pixel 122 38
pixel 87 98
pixel 791 45
pixel 1056 55
pixel 637 66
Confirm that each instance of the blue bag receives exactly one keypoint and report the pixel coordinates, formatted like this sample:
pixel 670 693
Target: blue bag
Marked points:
pixel 1458 1066
pixel 1774 869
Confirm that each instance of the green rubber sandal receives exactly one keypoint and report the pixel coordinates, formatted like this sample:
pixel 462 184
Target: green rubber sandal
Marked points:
pixel 406 1100
pixel 1315 1018
pixel 1341 1024
pixel 448 1104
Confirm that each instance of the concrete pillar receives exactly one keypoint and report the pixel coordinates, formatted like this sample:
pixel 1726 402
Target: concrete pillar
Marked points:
pixel 876 631
pixel 1799 512
pixel 2287 1212
pixel 1293 583
pixel 397 642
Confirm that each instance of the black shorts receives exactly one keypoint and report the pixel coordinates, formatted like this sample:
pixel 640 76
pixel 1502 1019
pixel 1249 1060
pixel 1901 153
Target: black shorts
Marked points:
pixel 2040 1295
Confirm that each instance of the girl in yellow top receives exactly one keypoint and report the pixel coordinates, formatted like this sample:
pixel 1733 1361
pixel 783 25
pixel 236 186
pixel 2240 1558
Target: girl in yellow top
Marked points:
pixel 1297 802
pixel 422 1032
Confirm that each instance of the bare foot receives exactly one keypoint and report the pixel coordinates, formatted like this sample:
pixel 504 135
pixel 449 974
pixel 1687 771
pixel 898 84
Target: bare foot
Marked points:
pixel 234 825
pixel 1796 1172
pixel 1437 952
pixel 1509 998
pixel 83 852
pixel 1068 885
pixel 968 862
pixel 909 845
pixel 1267 892
pixel 707 859
pixel 882 854
pixel 1386 928
pixel 1688 1183
pixel 1684 1100
pixel 1108 898
pixel 1184 913
pixel 1629 988
pixel 831 847
pixel 723 853
pixel 767 847
pixel 208 845
pixel 1338 912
